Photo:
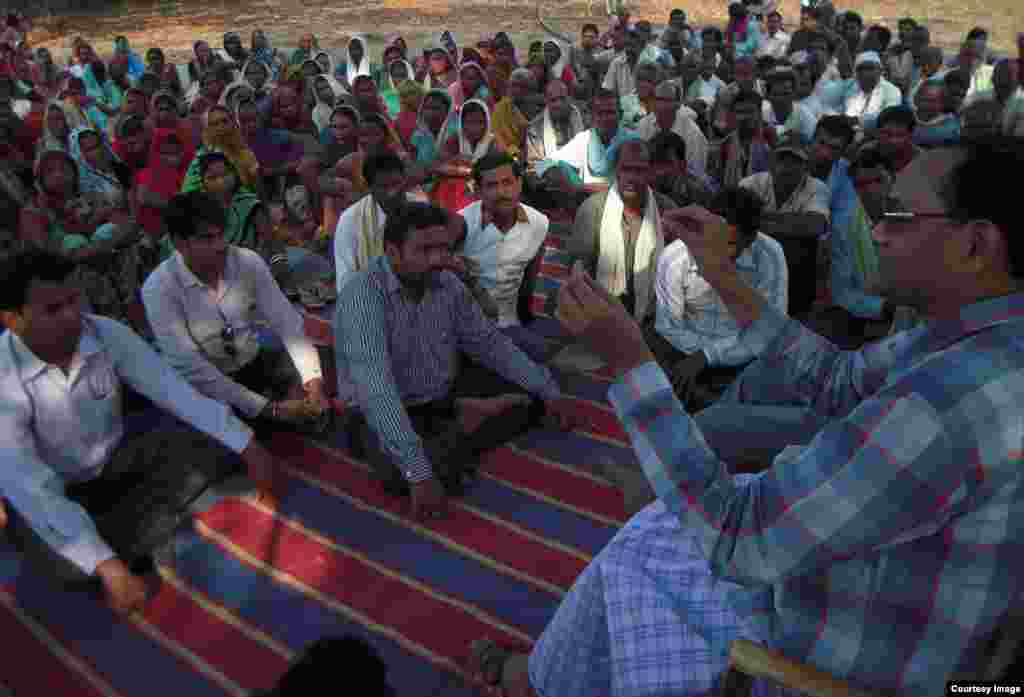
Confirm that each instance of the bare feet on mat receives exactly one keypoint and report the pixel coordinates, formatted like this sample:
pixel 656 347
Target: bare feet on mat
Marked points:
pixel 472 412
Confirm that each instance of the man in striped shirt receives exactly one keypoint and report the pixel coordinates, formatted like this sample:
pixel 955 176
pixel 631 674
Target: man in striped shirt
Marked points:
pixel 405 328
pixel 885 551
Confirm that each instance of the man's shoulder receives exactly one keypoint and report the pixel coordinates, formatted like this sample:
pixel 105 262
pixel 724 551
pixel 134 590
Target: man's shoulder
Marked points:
pixel 769 247
pixel 161 275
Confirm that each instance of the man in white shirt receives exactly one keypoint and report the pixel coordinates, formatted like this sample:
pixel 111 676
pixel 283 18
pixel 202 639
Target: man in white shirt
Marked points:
pixel 587 158
pixel 359 237
pixel 775 43
pixel 695 339
pixel 85 502
pixel 505 243
pixel 796 213
pixel 203 303
pixel 670 114
pixel 865 96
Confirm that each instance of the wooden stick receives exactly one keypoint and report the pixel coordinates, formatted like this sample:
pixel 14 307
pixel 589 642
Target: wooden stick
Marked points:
pixel 760 662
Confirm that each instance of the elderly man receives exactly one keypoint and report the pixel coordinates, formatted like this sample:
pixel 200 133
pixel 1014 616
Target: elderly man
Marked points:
pixel 559 123
pixel 512 114
pixel 670 114
pixel 505 244
pixel 617 234
pixel 670 174
pixel 88 501
pixel 796 213
pixel 865 96
pixel 422 413
pixel 898 505
pixel 202 304
pixel 583 163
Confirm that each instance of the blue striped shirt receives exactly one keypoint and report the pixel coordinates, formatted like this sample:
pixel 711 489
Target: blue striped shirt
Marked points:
pixel 887 551
pixel 397 351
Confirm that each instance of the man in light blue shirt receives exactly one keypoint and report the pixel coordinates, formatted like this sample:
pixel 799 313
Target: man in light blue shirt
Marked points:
pixel 86 502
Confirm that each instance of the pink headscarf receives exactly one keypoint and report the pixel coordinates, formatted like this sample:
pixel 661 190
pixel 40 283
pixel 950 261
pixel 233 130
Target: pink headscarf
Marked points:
pixel 455 89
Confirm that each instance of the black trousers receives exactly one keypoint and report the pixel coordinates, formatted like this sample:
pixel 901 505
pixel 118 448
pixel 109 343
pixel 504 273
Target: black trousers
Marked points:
pixel 142 495
pixel 452 453
pixel 703 389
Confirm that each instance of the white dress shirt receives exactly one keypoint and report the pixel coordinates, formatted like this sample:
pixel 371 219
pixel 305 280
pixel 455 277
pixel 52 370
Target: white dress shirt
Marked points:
pixel 692 316
pixel 504 256
pixel 188 318
pixel 57 429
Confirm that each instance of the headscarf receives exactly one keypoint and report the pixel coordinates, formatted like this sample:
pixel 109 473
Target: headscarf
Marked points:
pixel 422 127
pixel 47 140
pixel 353 71
pixel 159 178
pixel 135 65
pixel 326 137
pixel 398 42
pixel 428 81
pixel 482 92
pixel 224 43
pixel 234 148
pixel 275 97
pixel 389 91
pixel 323 111
pixel 446 37
pixel 410 94
pixel 264 54
pixel 102 182
pixel 300 55
pixel 269 85
pixel 556 71
pixel 330 62
pixel 228 98
pixel 476 152
pixel 117 145
pixel 509 125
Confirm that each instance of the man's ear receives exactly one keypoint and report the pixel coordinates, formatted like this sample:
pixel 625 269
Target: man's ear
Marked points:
pixel 12 320
pixel 988 250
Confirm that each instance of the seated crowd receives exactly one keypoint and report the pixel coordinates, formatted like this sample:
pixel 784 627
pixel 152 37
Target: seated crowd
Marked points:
pixel 805 237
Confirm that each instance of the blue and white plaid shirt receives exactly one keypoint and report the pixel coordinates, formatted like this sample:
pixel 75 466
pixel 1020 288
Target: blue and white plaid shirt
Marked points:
pixel 397 351
pixel 885 552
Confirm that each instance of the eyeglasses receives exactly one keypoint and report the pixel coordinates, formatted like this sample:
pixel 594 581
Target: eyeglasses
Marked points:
pixel 895 211
pixel 227 335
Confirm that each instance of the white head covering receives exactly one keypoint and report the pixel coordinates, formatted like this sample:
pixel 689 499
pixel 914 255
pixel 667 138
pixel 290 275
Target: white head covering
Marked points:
pixel 322 111
pixel 563 58
pixel 354 71
pixel 482 147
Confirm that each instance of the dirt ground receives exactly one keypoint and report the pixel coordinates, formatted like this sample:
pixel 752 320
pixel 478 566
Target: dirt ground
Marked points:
pixel 175 24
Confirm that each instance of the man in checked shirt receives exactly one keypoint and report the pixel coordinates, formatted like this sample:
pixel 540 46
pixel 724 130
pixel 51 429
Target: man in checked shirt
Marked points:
pixel 885 551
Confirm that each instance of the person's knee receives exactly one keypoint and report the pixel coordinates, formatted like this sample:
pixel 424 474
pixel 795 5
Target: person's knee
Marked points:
pixel 37 554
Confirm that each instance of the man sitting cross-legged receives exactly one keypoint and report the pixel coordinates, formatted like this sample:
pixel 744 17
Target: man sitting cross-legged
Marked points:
pixel 885 550
pixel 695 339
pixel 505 245
pixel 202 304
pixel 87 502
pixel 422 411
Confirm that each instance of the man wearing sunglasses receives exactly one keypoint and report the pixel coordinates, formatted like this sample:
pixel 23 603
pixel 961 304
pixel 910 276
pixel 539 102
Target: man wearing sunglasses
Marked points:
pixel 884 547
pixel 203 303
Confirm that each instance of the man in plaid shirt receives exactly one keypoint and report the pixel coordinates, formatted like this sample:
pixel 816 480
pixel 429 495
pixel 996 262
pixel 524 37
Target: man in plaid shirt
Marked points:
pixel 885 551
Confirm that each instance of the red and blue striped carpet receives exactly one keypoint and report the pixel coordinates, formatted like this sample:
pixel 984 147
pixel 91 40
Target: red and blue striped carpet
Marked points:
pixel 252 586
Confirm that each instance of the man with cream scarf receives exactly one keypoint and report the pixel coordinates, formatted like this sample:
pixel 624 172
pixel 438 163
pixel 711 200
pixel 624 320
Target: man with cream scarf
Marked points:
pixel 554 128
pixel 617 234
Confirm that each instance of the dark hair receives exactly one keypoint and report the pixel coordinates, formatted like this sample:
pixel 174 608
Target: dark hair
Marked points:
pixel 740 207
pixel 171 139
pixel 746 96
pixel 972 193
pixel 475 106
pixel 604 93
pixel 899 115
pixel 676 12
pixel 22 269
pixel 412 216
pixel 906 20
pixel 186 211
pixel 776 13
pixel 869 158
pixel 819 36
pixel 977 33
pixel 154 51
pixel 665 144
pixel 319 663
pixel 837 125
pixel 711 31
pixel 958 76
pixel 778 77
pixel 132 125
pixel 852 16
pixel 211 158
pixel 493 160
pixel 591 28
pixel 883 35
pixel 383 161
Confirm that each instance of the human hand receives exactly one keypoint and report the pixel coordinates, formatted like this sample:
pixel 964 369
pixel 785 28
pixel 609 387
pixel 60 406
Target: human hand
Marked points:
pixel 601 323
pixel 298 411
pixel 684 373
pixel 261 467
pixel 705 235
pixel 428 499
pixel 563 413
pixel 126 592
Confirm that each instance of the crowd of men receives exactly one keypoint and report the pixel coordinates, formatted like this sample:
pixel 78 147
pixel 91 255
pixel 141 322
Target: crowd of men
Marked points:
pixel 804 239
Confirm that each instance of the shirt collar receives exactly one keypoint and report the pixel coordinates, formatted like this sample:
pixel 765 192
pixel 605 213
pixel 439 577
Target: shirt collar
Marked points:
pixel 30 366
pixel 190 280
pixel 486 217
pixel 391 282
pixel 991 312
pixel 746 259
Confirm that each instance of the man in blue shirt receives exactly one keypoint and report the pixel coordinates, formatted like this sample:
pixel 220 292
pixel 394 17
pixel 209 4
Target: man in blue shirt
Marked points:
pixel 884 551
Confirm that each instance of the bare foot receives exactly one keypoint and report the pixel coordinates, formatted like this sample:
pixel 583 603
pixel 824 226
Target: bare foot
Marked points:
pixel 471 412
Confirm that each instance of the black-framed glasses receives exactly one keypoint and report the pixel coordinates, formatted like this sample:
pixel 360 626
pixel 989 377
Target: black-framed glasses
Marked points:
pixel 227 335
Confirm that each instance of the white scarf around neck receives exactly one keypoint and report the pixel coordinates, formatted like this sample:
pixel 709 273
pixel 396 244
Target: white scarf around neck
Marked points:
pixel 353 71
pixel 611 263
pixel 484 145
pixel 551 138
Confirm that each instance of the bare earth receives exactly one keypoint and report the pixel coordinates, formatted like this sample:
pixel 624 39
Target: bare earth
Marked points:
pixel 175 24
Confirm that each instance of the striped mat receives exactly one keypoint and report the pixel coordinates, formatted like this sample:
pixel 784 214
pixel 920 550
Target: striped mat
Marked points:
pixel 252 586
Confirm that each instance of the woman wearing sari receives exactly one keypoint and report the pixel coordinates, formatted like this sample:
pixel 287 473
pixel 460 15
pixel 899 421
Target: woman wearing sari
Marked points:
pixel 472 84
pixel 154 187
pixel 167 73
pixel 131 142
pixel 473 140
pixel 287 113
pixel 328 92
pixel 56 128
pixel 410 96
pixel 258 76
pixel 308 47
pixel 375 132
pixel 47 75
pixel 135 65
pixel 102 177
pixel 340 139
pixel 277 151
pixel 134 103
pixel 441 70
pixel 356 63
pixel 98 88
pixel 435 123
pixel 221 135
pixel 236 93
pixel 101 239
pixel 164 114
pixel 398 72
